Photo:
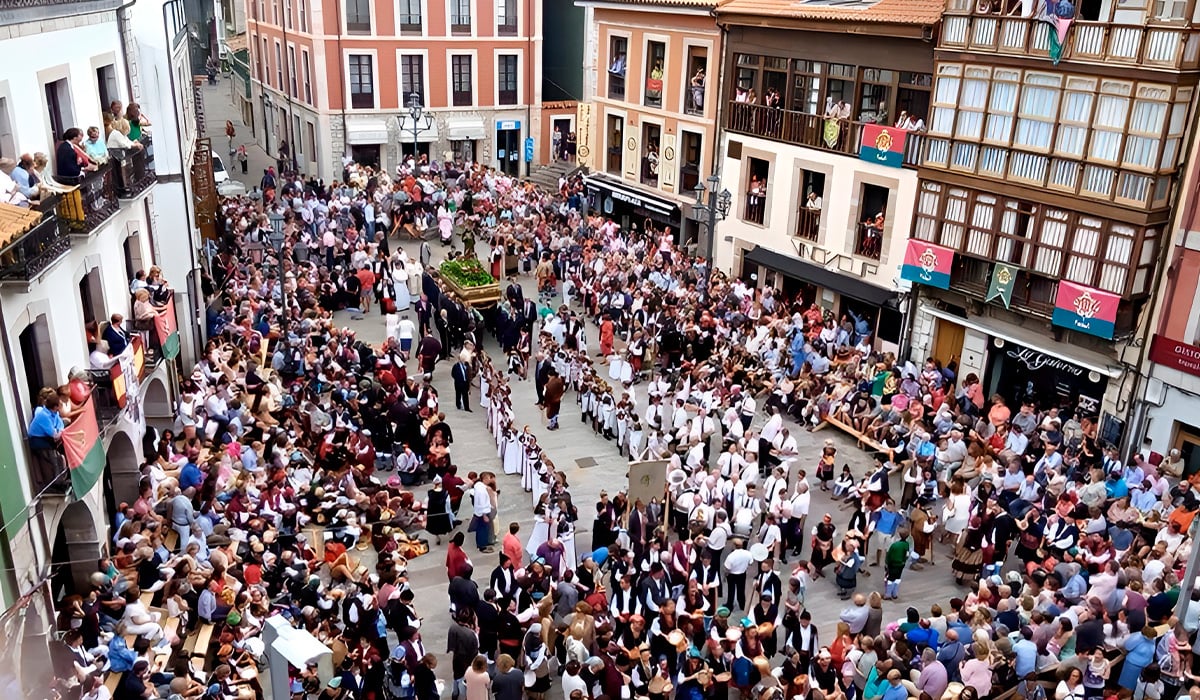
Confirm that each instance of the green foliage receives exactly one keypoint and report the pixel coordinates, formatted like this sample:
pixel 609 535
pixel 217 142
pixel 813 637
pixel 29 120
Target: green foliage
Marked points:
pixel 466 273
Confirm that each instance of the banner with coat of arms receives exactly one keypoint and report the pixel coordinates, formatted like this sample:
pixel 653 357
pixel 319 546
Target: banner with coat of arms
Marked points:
pixel 927 263
pixel 1004 278
pixel 1085 309
pixel 883 144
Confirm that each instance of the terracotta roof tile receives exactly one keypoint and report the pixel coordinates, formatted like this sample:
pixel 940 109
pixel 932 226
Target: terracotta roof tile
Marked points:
pixel 702 4
pixel 884 11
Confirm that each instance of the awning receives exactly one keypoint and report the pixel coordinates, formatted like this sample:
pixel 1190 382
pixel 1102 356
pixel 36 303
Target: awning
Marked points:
pixel 815 274
pixel 427 130
pixel 995 328
pixel 465 129
pixel 366 131
pixel 634 197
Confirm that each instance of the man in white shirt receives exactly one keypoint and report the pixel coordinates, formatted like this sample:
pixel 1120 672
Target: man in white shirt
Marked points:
pixel 481 511
pixel 736 564
pixel 767 435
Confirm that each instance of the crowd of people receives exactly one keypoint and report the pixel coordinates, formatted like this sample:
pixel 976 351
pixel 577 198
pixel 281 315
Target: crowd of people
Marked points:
pixel 300 451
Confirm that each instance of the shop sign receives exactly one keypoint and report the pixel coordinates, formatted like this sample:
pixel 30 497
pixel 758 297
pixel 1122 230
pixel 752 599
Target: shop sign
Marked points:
pixel 928 264
pixel 883 145
pixel 1035 360
pixel 1084 309
pixel 1175 354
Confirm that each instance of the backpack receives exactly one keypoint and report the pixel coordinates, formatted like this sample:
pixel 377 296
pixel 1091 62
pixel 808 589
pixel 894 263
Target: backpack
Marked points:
pixel 740 671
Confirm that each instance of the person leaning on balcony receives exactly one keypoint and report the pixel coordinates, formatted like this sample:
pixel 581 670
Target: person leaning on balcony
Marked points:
pixel 144 310
pixel 94 146
pixel 99 357
pixel 137 121
pixel 115 335
pixel 119 136
pixel 70 160
pixel 45 438
pixel 21 175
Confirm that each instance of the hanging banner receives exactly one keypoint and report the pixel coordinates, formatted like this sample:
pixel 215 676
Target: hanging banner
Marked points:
pixel 1004 277
pixel 167 328
pixel 928 264
pixel 84 450
pixel 831 132
pixel 883 145
pixel 1085 309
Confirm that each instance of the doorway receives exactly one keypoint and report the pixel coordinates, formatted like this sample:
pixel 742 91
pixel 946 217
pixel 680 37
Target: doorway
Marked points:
pixel 563 130
pixel 508 151
pixel 947 341
pixel 366 155
pixel 1187 441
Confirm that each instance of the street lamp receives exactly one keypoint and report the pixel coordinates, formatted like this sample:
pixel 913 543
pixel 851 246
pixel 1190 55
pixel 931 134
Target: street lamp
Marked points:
pixel 710 212
pixel 267 104
pixel 419 120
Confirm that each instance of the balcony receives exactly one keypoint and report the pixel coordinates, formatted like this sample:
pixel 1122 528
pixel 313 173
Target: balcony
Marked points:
pixel 133 170
pixel 868 241
pixel 30 253
pixel 1155 46
pixel 92 202
pixel 803 129
pixel 808 223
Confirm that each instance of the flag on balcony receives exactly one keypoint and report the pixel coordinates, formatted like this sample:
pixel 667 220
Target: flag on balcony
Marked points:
pixel 1084 309
pixel 168 330
pixel 1058 16
pixel 928 264
pixel 1004 277
pixel 84 450
pixel 883 144
pixel 127 371
pixel 831 132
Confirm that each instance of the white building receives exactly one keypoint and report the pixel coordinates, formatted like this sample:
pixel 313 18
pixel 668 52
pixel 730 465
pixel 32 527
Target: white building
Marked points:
pixel 72 269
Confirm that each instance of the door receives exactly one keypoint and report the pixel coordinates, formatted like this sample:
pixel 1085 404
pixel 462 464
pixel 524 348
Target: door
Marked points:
pixel 947 341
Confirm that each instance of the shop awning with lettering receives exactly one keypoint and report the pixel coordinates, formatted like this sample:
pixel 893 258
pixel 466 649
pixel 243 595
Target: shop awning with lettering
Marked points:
pixel 995 328
pixel 815 274
pixel 635 197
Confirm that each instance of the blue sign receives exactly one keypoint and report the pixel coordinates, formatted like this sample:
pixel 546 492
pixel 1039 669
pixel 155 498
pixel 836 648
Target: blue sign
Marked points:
pixel 509 125
pixel 529 149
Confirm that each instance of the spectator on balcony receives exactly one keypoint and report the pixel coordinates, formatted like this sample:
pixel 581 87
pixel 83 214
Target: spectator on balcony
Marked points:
pixel 138 282
pixel 910 122
pixel 70 160
pixel 95 147
pixel 118 137
pixel 45 440
pixel 115 335
pixel 99 357
pixel 814 201
pixel 144 311
pixel 20 172
pixel 160 291
pixel 618 65
pixel 697 89
pixel 137 121
pixel 116 111
pixel 10 193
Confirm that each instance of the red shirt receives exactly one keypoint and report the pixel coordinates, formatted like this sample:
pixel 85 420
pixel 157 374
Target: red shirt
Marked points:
pixel 366 278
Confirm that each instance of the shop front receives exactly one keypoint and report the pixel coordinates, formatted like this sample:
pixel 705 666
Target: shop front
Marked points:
pixel 843 295
pixel 367 139
pixel 508 146
pixel 1020 373
pixel 628 206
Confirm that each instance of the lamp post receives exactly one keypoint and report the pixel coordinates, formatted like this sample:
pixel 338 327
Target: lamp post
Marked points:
pixel 266 100
pixel 419 120
pixel 708 213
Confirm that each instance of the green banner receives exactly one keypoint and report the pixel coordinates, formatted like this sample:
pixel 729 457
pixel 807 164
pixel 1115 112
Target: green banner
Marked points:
pixel 1004 277
pixel 85 476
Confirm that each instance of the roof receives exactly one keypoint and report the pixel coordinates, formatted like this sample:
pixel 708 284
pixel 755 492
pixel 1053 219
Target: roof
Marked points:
pixel 698 4
pixel 918 12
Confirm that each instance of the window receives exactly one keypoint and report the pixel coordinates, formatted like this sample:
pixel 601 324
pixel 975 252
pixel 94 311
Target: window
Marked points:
pixel 106 85
pixel 310 135
pixel 37 357
pixel 302 15
pixel 408 17
pixel 809 202
pixel 1170 10
pixel 1112 108
pixel 873 100
pixel 266 61
pixel 1051 240
pixel 696 79
pixel 756 190
pixel 8 142
pixel 287 13
pixel 616 142
pixel 1015 224
pixel 307 77
pixel 872 213
pixel 617 63
pixel 840 86
pixel 806 86
pixel 656 55
pixel 1085 244
pixel 972 104
pixel 358 16
pixel 461 95
pixel 460 17
pixel 747 72
pixel 651 159
pixel 58 105
pixel 1075 116
pixel 362 82
pixel 278 67
pixel 506 17
pixel 689 161
pixel 1038 110
pixel 292 83
pixel 1147 123
pixel 945 99
pixel 300 141
pixel 507 75
pixel 412 77
pixel 1002 105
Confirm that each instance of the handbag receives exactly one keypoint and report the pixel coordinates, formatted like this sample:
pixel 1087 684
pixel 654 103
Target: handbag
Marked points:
pixel 530 678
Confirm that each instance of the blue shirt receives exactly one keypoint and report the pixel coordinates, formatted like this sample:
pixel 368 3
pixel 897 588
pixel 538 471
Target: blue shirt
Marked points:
pixel 24 180
pixel 887 522
pixel 190 476
pixel 45 423
pixel 1026 653
pixel 895 692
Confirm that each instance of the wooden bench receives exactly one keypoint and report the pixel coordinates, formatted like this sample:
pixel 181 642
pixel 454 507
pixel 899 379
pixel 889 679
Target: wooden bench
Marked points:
pixel 169 624
pixel 171 540
pixel 869 442
pixel 198 642
pixel 112 680
pixel 147 599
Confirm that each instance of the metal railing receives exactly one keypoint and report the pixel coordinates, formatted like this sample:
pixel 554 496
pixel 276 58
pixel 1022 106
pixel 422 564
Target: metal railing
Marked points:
pixel 868 241
pixel 92 202
pixel 133 169
pixel 808 223
pixel 27 256
pixel 811 130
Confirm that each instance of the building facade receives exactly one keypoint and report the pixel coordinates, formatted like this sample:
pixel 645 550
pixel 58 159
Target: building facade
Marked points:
pixel 1050 170
pixel 824 180
pixel 336 78
pixel 647 130
pixel 65 269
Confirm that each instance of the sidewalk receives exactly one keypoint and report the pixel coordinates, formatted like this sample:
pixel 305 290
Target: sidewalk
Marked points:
pixel 219 107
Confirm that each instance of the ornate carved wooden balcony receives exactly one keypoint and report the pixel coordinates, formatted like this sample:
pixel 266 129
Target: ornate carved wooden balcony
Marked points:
pixel 803 129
